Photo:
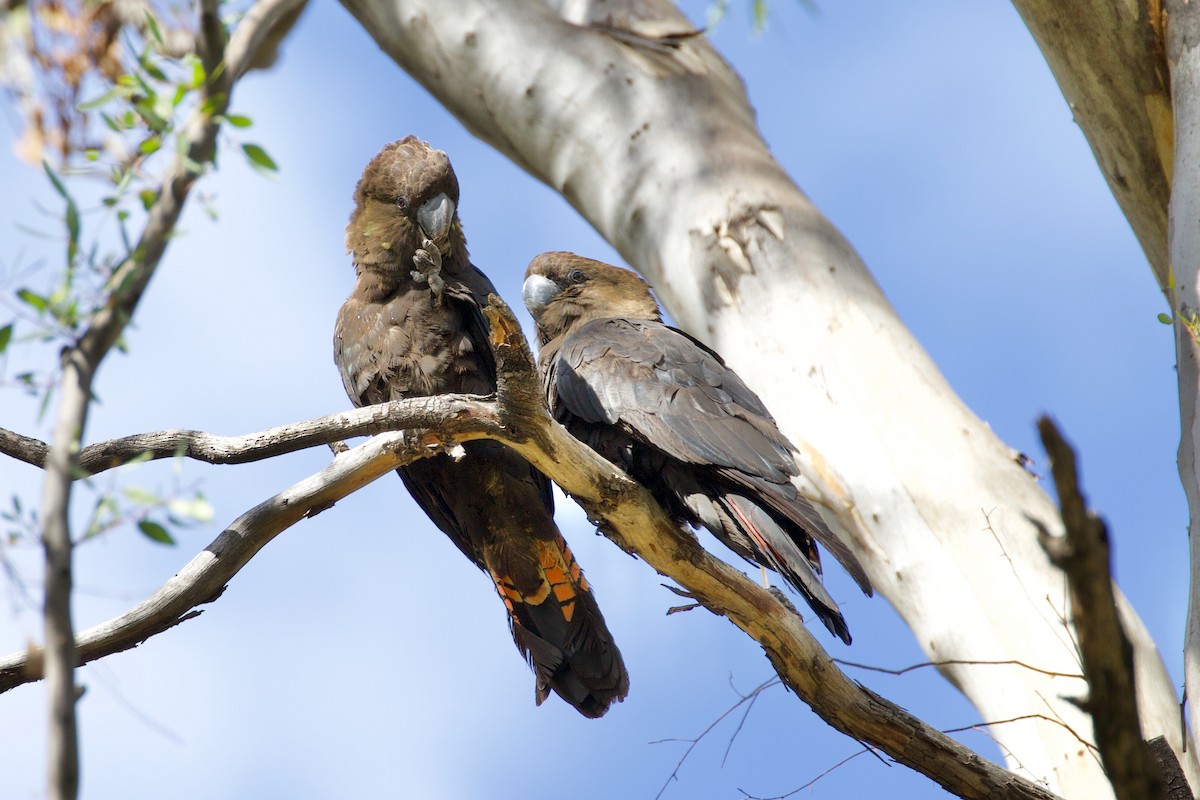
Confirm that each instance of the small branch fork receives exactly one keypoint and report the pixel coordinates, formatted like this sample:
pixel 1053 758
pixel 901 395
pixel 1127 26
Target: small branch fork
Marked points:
pixel 625 511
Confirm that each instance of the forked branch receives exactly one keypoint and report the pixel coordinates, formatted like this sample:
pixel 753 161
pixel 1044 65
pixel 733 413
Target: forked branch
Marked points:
pixel 624 510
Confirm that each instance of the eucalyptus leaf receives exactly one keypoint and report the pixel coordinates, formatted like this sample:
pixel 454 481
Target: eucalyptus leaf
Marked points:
pixel 259 157
pixel 155 532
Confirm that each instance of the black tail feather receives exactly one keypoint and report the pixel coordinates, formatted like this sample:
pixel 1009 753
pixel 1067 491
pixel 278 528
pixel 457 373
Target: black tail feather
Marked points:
pixel 792 554
pixel 559 629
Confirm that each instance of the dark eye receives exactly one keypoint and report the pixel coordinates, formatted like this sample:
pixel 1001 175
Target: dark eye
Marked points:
pixel 402 203
pixel 576 276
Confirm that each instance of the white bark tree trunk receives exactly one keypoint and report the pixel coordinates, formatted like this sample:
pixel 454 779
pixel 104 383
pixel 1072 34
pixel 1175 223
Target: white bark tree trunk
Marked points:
pixel 1184 243
pixel 653 140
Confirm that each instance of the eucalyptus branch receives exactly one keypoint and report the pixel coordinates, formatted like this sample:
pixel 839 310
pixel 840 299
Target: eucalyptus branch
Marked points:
pixel 626 513
pixel 216 449
pixel 203 579
pixel 81 360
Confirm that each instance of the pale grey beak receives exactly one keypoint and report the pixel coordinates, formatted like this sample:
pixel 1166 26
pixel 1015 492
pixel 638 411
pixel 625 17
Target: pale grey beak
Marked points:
pixel 538 291
pixel 434 216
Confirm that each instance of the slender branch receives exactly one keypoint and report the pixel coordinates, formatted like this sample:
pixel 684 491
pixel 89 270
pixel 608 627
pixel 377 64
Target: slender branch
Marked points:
pixel 957 662
pixel 627 514
pixel 203 579
pixel 80 363
pixel 747 699
pixel 1083 555
pixel 215 449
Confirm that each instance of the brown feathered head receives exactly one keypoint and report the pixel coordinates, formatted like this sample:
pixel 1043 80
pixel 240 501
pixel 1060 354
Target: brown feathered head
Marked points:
pixel 563 290
pixel 408 193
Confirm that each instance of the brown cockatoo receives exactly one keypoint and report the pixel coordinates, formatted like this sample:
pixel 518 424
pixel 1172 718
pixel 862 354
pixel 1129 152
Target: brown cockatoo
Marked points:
pixel 412 327
pixel 666 409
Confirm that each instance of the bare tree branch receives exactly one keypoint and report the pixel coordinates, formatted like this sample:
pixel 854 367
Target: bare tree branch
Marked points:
pixel 215 449
pixel 1083 554
pixel 203 579
pixel 904 670
pixel 745 699
pixel 81 361
pixel 626 513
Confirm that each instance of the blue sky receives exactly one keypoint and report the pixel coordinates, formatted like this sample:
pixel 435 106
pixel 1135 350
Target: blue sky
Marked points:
pixel 359 654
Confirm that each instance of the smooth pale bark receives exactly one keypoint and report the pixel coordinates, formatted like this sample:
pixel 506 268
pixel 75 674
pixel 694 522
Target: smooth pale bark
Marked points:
pixel 654 142
pixel 1184 40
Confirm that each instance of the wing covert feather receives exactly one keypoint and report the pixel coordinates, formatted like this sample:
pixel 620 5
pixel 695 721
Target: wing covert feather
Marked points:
pixel 669 391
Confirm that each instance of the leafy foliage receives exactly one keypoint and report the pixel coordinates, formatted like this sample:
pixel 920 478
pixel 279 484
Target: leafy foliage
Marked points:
pixel 104 90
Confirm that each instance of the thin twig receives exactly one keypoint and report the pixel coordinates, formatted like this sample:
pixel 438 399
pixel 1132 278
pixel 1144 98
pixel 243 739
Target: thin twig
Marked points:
pixel 956 662
pixel 747 796
pixel 257 446
pixel 745 699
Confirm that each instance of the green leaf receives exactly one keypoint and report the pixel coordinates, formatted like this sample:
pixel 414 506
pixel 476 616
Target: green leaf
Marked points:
pixel 192 166
pixel 259 157
pixel 45 404
pixel 760 15
pixel 147 196
pixel 152 69
pixel 213 104
pixel 104 99
pixel 716 12
pixel 38 302
pixel 197 509
pixel 141 496
pixel 197 66
pixel 103 514
pixel 5 336
pixel 155 532
pixel 152 27
pixel 1165 319
pixel 58 184
pixel 164 107
pixel 72 231
pixel 151 145
pixel 238 121
pixel 72 218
